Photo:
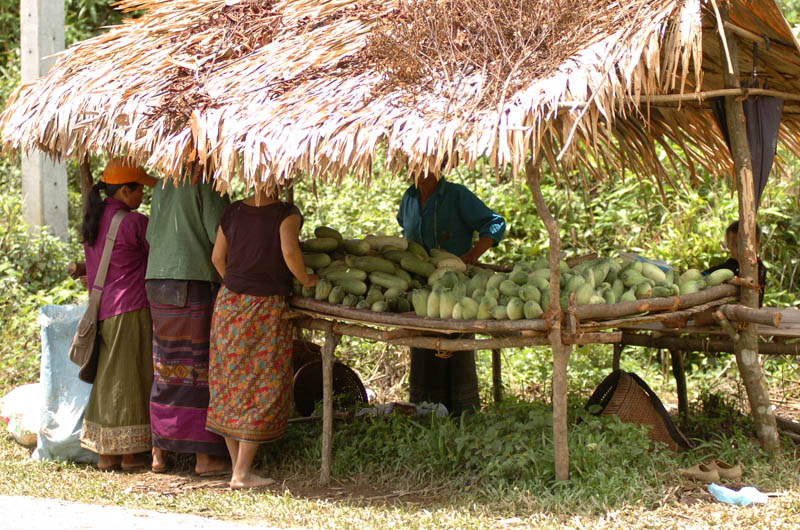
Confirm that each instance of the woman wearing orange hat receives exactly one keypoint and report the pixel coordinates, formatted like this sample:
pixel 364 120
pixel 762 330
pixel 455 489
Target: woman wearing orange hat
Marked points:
pixel 116 424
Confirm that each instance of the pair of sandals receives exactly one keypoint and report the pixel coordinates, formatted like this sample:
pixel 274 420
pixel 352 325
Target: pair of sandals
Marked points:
pixel 713 471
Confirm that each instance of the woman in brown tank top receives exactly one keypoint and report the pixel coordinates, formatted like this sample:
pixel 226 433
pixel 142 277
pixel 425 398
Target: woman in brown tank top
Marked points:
pixel 256 253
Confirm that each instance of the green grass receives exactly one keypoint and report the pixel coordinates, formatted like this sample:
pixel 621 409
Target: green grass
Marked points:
pixel 435 473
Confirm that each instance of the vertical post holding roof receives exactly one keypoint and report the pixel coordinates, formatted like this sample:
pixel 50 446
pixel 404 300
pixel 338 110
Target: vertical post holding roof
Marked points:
pixel 746 347
pixel 561 351
pixel 44 183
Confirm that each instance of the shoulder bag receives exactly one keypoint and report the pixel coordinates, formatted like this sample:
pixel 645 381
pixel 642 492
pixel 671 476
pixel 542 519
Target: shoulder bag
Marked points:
pixel 85 345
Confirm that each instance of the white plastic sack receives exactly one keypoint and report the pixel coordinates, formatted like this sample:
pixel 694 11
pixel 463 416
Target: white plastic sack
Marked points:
pixel 20 411
pixel 64 396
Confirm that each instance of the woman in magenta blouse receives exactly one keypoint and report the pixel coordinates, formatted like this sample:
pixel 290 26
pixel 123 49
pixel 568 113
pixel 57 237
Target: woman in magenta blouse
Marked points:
pixel 116 425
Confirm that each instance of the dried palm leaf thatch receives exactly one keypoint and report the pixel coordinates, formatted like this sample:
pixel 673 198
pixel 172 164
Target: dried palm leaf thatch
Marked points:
pixel 265 90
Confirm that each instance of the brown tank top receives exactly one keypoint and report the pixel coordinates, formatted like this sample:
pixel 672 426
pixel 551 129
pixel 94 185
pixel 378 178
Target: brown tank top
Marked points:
pixel 255 263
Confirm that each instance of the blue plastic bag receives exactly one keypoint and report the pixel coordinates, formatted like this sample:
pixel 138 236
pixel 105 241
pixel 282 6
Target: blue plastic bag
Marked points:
pixel 744 497
pixel 65 396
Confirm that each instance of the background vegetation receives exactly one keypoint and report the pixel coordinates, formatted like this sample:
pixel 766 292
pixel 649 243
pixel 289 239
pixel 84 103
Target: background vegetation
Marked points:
pixel 501 459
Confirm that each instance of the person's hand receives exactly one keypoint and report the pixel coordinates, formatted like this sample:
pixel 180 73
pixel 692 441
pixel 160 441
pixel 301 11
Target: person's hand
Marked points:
pixel 471 257
pixel 311 280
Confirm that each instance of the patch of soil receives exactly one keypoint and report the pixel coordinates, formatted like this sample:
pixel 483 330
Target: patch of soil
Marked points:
pixel 181 482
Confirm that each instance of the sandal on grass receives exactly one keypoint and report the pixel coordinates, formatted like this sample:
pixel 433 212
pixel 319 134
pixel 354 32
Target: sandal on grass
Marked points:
pixel 701 473
pixel 725 470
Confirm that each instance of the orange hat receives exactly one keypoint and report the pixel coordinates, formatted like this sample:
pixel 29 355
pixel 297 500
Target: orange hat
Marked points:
pixel 118 171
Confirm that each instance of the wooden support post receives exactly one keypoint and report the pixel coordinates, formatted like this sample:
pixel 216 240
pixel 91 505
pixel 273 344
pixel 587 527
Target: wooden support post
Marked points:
pixel 560 350
pixel 86 182
pixel 327 403
pixel 680 382
pixel 746 348
pixel 497 378
pixel 617 356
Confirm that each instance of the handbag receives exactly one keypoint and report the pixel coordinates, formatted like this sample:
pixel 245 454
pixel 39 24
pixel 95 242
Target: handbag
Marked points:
pixel 85 345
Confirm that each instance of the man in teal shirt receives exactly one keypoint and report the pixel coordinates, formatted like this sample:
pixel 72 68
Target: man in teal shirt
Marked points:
pixel 439 214
pixel 182 286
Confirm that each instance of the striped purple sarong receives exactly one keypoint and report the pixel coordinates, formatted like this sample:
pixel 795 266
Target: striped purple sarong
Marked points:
pixel 179 396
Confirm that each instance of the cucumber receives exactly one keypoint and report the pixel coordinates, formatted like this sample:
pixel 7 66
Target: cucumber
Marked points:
pixel 418 250
pixel 336 295
pixel 321 244
pixel 356 247
pixel 388 280
pixel 326 231
pixel 323 289
pixel 316 261
pixel 417 266
pixel 351 286
pixel 346 273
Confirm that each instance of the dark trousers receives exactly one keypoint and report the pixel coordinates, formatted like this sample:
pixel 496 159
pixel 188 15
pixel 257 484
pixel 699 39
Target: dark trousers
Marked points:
pixel 451 381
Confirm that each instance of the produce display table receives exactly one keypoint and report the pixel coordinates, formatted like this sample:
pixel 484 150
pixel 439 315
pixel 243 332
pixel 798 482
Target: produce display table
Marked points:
pixel 588 324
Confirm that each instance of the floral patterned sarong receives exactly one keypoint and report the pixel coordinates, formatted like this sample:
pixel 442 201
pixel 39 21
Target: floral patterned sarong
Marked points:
pixel 250 367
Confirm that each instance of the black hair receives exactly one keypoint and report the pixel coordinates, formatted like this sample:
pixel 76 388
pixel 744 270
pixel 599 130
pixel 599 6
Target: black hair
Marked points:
pixel 95 207
pixel 733 228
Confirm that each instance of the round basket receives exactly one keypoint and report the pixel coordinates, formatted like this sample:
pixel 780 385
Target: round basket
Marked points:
pixel 348 390
pixel 303 352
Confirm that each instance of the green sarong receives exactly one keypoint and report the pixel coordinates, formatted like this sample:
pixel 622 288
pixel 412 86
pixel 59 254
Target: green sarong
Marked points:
pixel 117 419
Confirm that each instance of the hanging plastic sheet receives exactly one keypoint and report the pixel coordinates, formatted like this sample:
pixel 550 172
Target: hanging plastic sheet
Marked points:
pixel 763 118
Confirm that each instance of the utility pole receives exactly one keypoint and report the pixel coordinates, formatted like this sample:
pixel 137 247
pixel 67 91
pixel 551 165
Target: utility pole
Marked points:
pixel 44 183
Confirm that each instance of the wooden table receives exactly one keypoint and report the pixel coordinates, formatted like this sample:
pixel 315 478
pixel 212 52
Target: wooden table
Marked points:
pixel 584 326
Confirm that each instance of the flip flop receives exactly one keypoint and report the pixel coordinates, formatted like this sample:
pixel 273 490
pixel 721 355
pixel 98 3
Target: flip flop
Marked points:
pixel 159 469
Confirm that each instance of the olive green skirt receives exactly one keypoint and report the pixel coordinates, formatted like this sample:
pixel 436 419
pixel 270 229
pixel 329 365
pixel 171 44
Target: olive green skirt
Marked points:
pixel 117 419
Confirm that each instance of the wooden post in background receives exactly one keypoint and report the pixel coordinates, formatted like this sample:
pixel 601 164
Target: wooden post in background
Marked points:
pixel 746 348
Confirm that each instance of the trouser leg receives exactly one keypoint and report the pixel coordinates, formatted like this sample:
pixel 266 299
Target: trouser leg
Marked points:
pixel 429 378
pixel 464 395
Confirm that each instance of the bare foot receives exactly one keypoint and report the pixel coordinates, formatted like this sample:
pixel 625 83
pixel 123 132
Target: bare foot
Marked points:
pixel 159 460
pixel 210 466
pixel 108 462
pixel 133 462
pixel 251 481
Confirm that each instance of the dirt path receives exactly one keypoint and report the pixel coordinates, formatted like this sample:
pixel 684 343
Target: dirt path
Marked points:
pixel 31 513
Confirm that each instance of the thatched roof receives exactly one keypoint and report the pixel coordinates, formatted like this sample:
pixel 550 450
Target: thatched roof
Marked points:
pixel 268 89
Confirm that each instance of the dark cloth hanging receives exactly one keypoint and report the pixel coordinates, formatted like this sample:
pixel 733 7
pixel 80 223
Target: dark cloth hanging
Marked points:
pixel 763 118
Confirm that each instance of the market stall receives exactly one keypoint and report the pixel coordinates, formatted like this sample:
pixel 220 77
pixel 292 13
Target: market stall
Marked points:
pixel 269 92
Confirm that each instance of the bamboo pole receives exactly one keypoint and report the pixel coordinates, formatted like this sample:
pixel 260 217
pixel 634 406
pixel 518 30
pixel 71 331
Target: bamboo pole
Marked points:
pixel 725 324
pixel 441 325
pixel 704 345
pixel 560 350
pixel 327 403
pixel 691 96
pixel 671 303
pixel 742 313
pixel 747 345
